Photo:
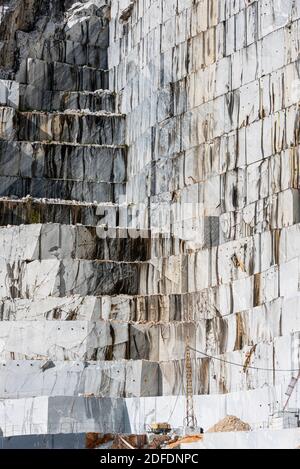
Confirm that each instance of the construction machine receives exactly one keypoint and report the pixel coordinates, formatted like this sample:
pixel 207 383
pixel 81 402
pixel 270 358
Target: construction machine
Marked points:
pixel 160 428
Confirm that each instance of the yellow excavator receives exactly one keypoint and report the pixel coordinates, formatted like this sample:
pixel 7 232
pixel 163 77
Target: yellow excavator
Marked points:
pixel 160 428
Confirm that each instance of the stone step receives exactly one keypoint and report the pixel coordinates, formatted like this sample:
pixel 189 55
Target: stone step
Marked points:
pixel 31 211
pixel 126 378
pixel 129 378
pixel 112 341
pixel 55 241
pixel 32 98
pixel 41 279
pixel 68 277
pixel 89 163
pixel 73 415
pixel 159 276
pixel 140 309
pixel 61 415
pixel 68 127
pixel 88 128
pixel 59 76
pixel 9 93
pixel 71 52
pixel 71 308
pixel 98 341
pixel 81 191
pixel 162 309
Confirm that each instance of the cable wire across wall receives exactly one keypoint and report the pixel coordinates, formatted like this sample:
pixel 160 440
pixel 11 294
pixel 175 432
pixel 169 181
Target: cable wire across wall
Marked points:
pixel 272 370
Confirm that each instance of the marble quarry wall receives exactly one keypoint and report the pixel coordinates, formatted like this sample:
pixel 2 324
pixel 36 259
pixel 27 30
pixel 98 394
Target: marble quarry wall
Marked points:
pixel 210 90
pixel 149 172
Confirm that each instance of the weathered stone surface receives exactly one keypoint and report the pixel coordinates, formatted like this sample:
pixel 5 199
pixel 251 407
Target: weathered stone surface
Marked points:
pixel 67 162
pixel 59 76
pixel 196 147
pixel 102 379
pixel 55 241
pixel 65 189
pixel 61 415
pixel 41 100
pixel 30 211
pixel 69 127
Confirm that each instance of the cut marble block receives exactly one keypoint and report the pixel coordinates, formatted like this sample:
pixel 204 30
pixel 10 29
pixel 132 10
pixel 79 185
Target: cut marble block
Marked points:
pixel 70 127
pixel 70 52
pixel 48 441
pixel 70 341
pixel 130 415
pixel 206 166
pixel 87 341
pixel 89 128
pixel 153 309
pixel 9 93
pixel 55 241
pixel 40 100
pixel 261 439
pixel 59 76
pixel 31 211
pixel 7 125
pixel 55 415
pixel 81 191
pixel 90 163
pixel 102 379
pixel 71 277
pixel 72 308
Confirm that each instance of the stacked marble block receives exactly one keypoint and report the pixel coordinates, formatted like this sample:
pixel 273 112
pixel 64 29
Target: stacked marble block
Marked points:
pixel 63 159
pixel 94 321
pixel 213 136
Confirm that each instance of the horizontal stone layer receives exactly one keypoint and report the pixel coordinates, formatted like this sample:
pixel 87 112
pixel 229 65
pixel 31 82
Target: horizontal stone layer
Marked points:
pixel 29 97
pixel 31 211
pixel 47 441
pixel 60 414
pixel 262 439
pixel 153 309
pixel 21 379
pixel 243 329
pixel 71 52
pixel 71 308
pixel 55 415
pixel 40 100
pixel 111 340
pixel 69 277
pixel 63 161
pixel 59 76
pixel 55 241
pixel 81 191
pixel 72 127
pixel 86 341
pixel 183 273
pixel 269 363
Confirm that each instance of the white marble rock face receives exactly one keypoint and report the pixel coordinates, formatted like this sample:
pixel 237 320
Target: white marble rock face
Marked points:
pixel 149 195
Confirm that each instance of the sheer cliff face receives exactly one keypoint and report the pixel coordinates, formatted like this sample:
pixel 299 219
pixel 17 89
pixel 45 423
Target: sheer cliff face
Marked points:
pixel 24 23
pixel 149 193
pixel 210 90
pixel 14 16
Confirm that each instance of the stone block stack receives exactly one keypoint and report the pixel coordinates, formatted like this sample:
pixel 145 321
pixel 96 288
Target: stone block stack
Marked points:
pixel 66 358
pixel 149 193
